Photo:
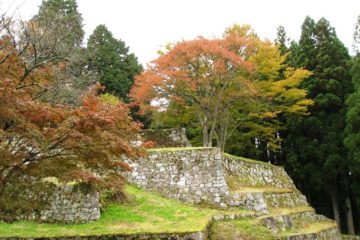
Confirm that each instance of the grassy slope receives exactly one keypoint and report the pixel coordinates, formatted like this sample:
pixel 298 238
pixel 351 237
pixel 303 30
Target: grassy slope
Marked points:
pixel 249 229
pixel 146 213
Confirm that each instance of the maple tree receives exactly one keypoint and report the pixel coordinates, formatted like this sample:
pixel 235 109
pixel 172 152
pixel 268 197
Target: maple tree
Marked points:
pixel 218 79
pixel 39 139
pixel 202 72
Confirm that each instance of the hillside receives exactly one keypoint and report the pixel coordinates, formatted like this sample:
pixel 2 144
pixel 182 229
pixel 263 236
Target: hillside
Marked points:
pixel 145 213
pixel 260 202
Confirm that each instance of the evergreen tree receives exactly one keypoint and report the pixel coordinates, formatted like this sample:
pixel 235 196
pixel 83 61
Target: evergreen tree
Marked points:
pixel 314 148
pixel 352 140
pixel 60 25
pixel 282 41
pixel 53 35
pixel 356 44
pixel 111 61
pixel 305 54
pixel 352 130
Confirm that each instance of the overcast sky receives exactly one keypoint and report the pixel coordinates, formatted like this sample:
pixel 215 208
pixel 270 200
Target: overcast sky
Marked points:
pixel 147 25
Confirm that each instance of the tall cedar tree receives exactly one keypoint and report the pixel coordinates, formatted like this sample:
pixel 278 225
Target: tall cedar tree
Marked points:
pixel 56 34
pixel 63 23
pixel 110 59
pixel 352 130
pixel 352 140
pixel 314 146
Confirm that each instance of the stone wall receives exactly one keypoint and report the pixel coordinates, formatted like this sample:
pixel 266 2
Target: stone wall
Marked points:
pixel 191 175
pixel 197 175
pixel 255 173
pixel 72 204
pixel 66 204
pixel 279 223
pixel 173 137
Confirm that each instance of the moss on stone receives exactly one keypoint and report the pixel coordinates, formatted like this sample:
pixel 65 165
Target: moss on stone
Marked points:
pixel 173 149
pixel 249 229
pixel 263 189
pixel 293 210
pixel 252 161
pixel 308 229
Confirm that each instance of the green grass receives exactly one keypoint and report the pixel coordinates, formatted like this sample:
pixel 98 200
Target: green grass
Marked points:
pixel 145 213
pixel 249 229
pixel 312 228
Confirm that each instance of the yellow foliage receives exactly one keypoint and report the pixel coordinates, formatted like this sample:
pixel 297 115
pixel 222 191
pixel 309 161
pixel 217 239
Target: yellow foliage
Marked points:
pixel 240 31
pixel 110 99
pixel 267 61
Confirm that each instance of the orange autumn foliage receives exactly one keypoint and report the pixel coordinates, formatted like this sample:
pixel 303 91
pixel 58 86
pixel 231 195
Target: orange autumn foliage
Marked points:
pixel 224 81
pixel 40 140
pixel 206 73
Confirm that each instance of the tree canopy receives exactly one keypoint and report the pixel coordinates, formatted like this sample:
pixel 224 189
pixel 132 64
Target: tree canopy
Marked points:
pixel 217 78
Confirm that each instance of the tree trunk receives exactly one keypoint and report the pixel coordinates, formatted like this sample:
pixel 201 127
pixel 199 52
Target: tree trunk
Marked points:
pixel 221 135
pixel 348 207
pixel 349 216
pixel 205 136
pixel 206 132
pixel 335 206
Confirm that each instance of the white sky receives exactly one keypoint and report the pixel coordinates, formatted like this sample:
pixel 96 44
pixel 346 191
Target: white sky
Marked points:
pixel 147 25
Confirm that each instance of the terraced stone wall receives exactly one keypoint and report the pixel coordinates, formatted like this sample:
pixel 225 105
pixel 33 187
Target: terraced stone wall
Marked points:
pixel 255 173
pixel 191 175
pixel 199 175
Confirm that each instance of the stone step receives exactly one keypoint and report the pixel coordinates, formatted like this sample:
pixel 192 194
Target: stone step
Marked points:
pixel 248 200
pixel 325 230
pixel 286 219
